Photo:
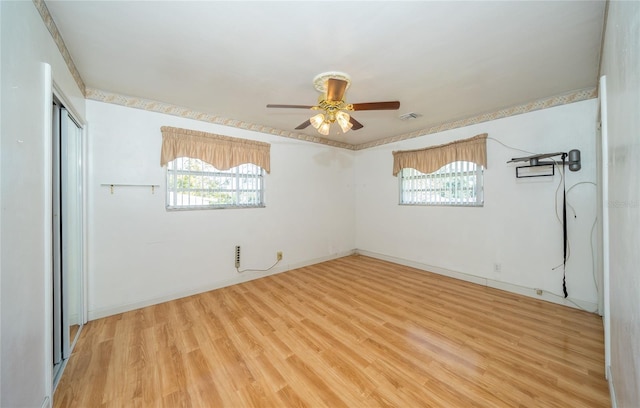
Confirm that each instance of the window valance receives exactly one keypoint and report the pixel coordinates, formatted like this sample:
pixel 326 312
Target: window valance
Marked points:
pixel 432 158
pixel 222 152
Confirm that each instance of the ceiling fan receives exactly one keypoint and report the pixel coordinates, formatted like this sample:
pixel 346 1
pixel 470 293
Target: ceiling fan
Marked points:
pixel 332 87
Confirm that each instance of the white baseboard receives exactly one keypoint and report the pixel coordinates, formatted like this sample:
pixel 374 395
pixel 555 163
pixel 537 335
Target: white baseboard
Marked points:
pixel 46 403
pixel 248 276
pixel 612 391
pixel 240 278
pixel 508 287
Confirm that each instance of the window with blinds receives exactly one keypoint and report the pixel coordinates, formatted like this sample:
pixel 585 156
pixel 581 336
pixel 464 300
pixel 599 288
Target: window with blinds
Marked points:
pixel 195 184
pixel 455 184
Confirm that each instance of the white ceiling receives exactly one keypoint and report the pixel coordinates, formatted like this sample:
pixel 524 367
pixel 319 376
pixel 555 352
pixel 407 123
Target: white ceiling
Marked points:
pixel 443 60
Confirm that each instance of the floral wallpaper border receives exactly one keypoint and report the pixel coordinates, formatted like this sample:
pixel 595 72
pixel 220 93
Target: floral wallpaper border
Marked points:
pixel 57 38
pixel 161 107
pixel 572 97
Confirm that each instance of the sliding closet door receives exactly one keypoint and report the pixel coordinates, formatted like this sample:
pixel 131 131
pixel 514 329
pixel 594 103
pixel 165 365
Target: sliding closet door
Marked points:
pixel 56 229
pixel 67 234
pixel 72 215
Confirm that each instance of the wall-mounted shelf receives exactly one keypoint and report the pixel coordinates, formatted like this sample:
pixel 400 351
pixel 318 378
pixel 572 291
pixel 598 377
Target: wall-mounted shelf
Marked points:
pixel 539 170
pixel 112 186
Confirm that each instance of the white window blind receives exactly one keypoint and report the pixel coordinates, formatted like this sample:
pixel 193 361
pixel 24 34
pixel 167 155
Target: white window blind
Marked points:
pixel 457 184
pixel 195 184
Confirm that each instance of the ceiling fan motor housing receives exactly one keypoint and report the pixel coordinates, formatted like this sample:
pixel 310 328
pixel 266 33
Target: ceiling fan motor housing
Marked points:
pixel 321 80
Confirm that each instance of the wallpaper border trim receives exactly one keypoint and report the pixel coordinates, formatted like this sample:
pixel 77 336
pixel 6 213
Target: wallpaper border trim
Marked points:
pixel 576 96
pixel 57 38
pixel 169 109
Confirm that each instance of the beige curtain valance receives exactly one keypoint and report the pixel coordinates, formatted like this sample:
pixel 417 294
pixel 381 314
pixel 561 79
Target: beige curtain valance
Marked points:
pixel 222 152
pixel 430 159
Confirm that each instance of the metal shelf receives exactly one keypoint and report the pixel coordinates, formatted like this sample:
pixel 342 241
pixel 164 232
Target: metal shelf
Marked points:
pixel 112 186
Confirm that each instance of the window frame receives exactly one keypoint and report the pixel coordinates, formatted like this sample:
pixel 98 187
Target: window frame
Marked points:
pixel 479 175
pixel 233 174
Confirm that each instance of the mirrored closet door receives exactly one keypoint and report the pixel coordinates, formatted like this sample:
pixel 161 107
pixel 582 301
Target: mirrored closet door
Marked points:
pixel 67 230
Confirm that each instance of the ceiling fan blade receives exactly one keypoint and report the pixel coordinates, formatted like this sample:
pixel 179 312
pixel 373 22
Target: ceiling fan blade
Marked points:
pixel 336 89
pixel 304 124
pixel 356 125
pixel 290 106
pixel 392 105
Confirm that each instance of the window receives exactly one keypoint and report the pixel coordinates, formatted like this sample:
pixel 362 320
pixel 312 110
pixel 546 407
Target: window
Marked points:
pixel 456 184
pixel 195 184
pixel 193 160
pixel 448 174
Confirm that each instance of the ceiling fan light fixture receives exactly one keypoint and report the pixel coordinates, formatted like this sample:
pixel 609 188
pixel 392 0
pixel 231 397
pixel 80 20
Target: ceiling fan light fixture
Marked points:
pixel 324 128
pixel 343 120
pixel 317 120
pixel 332 87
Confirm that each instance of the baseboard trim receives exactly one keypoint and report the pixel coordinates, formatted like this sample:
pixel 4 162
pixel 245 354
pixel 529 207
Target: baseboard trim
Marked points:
pixel 591 307
pixel 612 391
pixel 240 278
pixel 249 276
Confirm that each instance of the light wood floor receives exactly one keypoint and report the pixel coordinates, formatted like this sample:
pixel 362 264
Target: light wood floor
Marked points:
pixel 353 332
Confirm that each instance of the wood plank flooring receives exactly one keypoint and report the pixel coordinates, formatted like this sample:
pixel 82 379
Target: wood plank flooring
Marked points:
pixel 352 332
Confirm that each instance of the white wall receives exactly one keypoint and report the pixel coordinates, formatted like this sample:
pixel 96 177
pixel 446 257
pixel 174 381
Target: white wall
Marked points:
pixel 621 65
pixel 25 376
pixel 517 227
pixel 141 254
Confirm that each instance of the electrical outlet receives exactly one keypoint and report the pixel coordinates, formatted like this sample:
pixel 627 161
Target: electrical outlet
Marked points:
pixel 237 256
pixel 279 255
pixel 497 267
